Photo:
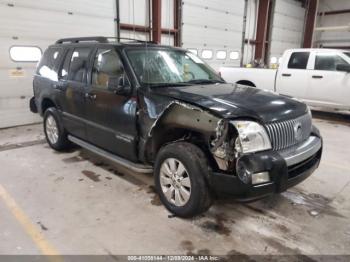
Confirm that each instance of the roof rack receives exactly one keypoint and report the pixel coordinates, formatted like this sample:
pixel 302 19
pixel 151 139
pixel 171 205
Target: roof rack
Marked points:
pixel 99 39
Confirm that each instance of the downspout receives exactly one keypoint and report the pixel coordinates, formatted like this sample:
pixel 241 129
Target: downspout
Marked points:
pixel 118 18
pixel 149 21
pixel 244 31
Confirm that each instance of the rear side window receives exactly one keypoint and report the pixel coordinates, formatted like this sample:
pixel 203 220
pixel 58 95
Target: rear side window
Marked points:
pixel 299 60
pixel 63 74
pixel 78 64
pixel 107 66
pixel 49 63
pixel 328 62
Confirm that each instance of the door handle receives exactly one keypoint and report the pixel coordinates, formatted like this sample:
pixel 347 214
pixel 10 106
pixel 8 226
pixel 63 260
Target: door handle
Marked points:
pixel 287 75
pixel 91 96
pixel 317 77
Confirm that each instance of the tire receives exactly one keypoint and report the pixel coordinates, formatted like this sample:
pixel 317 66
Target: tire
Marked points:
pixel 185 194
pixel 55 134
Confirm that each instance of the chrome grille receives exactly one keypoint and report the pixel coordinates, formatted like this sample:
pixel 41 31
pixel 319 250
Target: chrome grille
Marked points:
pixel 287 133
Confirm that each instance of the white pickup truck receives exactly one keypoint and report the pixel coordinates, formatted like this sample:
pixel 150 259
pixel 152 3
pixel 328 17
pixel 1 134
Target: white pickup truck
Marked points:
pixel 319 77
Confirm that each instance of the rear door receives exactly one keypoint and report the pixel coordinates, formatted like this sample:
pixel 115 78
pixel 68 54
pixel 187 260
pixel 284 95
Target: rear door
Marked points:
pixel 292 77
pixel 71 87
pixel 329 87
pixel 111 117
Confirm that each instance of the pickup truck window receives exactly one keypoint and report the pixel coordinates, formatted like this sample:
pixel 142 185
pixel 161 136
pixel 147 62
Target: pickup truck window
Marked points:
pixel 328 62
pixel 107 65
pixel 166 66
pixel 298 60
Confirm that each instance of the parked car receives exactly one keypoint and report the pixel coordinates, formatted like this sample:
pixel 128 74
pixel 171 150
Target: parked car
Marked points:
pixel 162 109
pixel 319 77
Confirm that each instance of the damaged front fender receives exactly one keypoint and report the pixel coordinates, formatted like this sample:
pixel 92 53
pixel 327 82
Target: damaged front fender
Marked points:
pixel 183 121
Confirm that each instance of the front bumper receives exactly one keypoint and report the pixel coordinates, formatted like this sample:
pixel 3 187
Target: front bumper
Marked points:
pixel 286 169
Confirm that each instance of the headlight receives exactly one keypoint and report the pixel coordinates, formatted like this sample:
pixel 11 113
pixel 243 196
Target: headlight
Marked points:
pixel 252 137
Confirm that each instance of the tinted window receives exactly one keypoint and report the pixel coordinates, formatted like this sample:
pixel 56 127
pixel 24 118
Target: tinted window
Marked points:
pixel 298 60
pixel 107 66
pixel 328 62
pixel 49 63
pixel 63 73
pixel 78 64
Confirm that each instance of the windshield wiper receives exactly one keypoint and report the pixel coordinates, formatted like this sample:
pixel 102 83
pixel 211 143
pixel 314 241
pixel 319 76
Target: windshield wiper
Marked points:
pixel 167 84
pixel 205 81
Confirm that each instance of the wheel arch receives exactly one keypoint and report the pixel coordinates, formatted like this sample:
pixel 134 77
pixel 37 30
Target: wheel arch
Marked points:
pixel 182 122
pixel 246 83
pixel 45 104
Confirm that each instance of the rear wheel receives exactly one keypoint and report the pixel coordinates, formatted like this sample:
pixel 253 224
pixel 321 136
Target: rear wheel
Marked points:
pixel 55 134
pixel 180 178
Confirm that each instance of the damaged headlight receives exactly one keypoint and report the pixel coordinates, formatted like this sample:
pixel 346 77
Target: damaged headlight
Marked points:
pixel 252 137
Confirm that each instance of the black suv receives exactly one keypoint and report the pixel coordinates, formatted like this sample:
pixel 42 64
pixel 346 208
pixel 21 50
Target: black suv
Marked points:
pixel 162 109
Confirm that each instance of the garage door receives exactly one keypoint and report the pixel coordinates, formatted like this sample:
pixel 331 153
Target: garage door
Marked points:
pixel 287 27
pixel 213 29
pixel 39 23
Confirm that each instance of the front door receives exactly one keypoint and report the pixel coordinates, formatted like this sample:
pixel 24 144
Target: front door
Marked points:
pixel 111 117
pixel 329 87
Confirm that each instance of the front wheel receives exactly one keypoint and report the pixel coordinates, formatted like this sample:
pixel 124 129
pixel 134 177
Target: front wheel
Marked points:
pixel 180 178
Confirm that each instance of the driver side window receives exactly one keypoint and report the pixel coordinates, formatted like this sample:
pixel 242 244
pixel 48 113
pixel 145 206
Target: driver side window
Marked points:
pixel 107 68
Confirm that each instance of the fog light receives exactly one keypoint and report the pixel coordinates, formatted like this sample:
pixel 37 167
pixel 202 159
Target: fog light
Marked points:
pixel 243 172
pixel 259 178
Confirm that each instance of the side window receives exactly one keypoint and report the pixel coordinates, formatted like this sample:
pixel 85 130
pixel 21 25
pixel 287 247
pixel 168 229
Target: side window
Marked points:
pixel 63 74
pixel 78 64
pixel 328 62
pixel 107 67
pixel 298 60
pixel 48 65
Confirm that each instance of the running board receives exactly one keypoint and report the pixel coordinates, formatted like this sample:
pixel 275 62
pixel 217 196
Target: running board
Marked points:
pixel 116 159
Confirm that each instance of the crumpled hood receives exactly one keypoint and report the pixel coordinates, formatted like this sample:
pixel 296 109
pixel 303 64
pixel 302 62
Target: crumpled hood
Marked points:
pixel 231 100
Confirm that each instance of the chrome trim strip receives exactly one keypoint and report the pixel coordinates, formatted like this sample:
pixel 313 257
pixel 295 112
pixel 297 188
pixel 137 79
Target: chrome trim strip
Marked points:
pixel 299 153
pixel 114 158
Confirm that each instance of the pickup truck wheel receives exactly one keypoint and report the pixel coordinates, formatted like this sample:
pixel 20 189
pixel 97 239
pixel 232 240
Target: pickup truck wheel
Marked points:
pixel 55 134
pixel 179 173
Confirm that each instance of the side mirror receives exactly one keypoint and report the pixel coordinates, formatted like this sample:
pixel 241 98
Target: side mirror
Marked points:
pixel 119 85
pixel 343 68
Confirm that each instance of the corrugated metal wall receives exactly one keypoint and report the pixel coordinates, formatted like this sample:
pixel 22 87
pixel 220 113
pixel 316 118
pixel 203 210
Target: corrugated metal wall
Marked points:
pixel 287 26
pixel 333 38
pixel 40 23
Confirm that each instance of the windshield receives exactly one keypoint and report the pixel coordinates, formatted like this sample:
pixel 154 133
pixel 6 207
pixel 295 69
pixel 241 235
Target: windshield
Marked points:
pixel 164 67
pixel 347 53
